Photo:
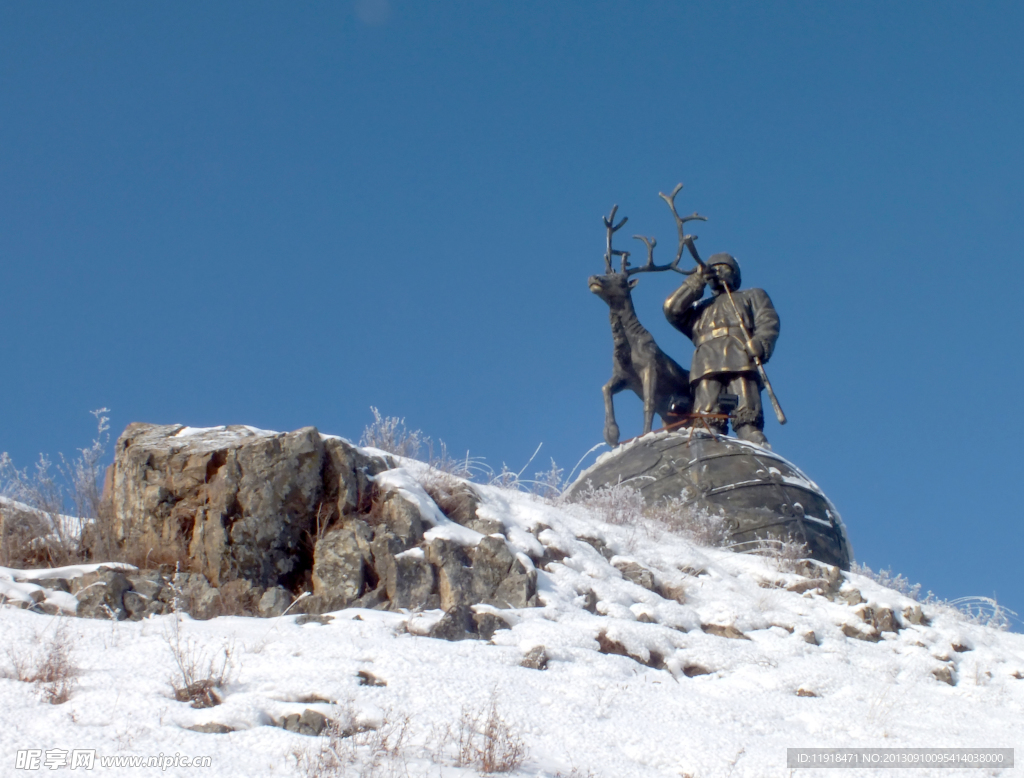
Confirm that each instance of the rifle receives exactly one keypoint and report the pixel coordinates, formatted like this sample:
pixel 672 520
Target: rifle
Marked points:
pixel 749 345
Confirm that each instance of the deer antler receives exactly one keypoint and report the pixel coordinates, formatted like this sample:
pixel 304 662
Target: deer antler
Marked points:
pixel 680 221
pixel 609 220
pixel 650 267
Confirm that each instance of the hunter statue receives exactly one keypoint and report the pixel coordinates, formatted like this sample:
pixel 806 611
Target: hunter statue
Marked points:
pixel 733 333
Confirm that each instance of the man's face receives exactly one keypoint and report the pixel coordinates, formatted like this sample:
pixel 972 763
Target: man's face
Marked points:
pixel 724 274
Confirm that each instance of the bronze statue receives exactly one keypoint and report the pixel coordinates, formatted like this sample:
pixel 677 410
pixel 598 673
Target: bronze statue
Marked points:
pixel 638 363
pixel 734 333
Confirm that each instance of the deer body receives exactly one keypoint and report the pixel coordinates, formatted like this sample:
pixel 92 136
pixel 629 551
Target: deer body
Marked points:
pixel 637 362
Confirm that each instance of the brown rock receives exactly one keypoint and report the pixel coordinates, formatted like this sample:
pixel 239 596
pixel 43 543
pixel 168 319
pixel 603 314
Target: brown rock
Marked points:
pixel 341 559
pixel 724 631
pixel 636 573
pixel 235 502
pixel 100 594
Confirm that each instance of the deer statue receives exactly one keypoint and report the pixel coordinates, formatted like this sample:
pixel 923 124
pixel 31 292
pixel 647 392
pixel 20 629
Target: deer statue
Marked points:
pixel 637 362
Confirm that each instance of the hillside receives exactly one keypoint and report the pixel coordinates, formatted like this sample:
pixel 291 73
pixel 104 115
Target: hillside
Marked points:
pixel 647 655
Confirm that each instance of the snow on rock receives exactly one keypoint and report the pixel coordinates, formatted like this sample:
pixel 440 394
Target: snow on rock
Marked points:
pixel 661 659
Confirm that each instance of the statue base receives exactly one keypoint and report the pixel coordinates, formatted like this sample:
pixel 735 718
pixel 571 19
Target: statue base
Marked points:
pixel 761 495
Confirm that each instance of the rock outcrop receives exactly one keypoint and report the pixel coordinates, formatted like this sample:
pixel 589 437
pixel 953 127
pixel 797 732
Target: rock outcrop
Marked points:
pixel 248 521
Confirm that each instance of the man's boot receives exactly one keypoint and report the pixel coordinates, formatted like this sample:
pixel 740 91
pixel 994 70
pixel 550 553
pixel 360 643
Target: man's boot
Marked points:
pixel 752 434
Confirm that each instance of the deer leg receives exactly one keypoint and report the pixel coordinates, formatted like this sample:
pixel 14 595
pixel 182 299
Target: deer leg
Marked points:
pixel 611 429
pixel 649 378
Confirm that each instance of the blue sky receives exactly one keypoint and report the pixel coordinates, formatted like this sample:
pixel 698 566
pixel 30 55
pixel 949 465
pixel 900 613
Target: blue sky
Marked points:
pixel 280 214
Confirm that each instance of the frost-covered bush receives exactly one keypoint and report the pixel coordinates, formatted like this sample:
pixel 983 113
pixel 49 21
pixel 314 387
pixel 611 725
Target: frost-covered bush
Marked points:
pixel 46 509
pixel 389 433
pixel 624 505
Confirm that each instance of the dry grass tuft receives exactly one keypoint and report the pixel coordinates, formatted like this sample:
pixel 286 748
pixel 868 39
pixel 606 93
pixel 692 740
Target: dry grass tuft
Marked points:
pixel 54 671
pixel 484 740
pixel 389 433
pixel 199 675
pixel 344 749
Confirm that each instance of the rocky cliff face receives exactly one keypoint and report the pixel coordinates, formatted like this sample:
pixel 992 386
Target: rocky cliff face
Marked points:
pixel 257 518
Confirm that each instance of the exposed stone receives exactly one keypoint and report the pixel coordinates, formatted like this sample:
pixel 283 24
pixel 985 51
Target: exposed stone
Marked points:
pixel 459 502
pixel 240 598
pixel 724 631
pixel 878 617
pixel 691 671
pixel 313 618
pixel 340 561
pixel 100 594
pixel 913 614
pixel 374 600
pixel 802 692
pixel 135 605
pixel 206 604
pixel 237 502
pixel 599 546
pixel 945 674
pixel 492 561
pixel 149 584
pixel 274 602
pixel 851 596
pixel 54 584
pixel 408 579
pixel 636 573
pixel 672 590
pixel 239 507
pixel 864 632
pixel 402 518
pixel 366 678
pixel 819 571
pixel 455 579
pixel 518 590
pixel 807 585
pixel 488 623
pixel 536 659
pixel 456 624
pixel 309 722
pixel 212 728
pixel 348 476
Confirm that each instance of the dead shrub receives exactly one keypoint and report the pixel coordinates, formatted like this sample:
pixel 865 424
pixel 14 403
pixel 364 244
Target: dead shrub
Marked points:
pixel 200 675
pixel 53 671
pixel 37 526
pixel 368 752
pixel 483 740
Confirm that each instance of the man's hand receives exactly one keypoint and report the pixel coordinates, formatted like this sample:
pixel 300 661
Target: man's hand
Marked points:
pixel 707 275
pixel 756 349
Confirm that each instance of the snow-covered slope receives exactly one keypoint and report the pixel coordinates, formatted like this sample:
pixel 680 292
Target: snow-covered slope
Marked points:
pixel 707 663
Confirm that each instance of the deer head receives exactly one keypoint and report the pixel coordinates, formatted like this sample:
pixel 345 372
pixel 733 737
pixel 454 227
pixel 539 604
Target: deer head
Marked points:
pixel 614 287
